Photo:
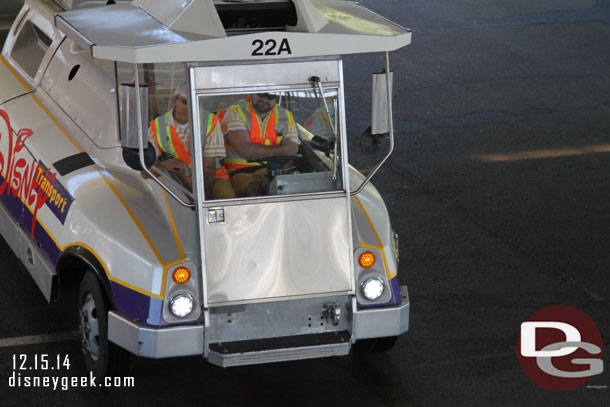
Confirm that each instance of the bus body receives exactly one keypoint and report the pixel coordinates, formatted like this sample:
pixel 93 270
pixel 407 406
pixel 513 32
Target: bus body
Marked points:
pixel 307 269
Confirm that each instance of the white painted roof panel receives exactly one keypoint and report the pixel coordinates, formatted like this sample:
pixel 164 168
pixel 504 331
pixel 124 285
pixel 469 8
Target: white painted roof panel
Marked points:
pixel 128 33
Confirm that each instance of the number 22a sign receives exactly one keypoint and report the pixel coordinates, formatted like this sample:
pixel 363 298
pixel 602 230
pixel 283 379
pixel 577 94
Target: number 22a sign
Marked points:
pixel 270 47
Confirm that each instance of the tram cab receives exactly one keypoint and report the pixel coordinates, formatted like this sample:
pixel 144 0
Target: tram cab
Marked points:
pixel 305 267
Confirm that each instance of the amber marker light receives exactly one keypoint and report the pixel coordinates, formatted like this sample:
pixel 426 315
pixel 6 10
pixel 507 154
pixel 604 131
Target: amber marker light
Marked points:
pixel 181 275
pixel 366 259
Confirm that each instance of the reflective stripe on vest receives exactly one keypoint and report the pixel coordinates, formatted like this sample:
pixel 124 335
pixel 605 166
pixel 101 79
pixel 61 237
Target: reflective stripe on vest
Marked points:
pixel 208 123
pixel 267 137
pixel 167 139
pixel 169 142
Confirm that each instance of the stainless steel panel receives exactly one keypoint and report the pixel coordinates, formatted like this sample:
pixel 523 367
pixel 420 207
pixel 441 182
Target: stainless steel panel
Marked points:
pixel 288 184
pixel 278 249
pixel 275 319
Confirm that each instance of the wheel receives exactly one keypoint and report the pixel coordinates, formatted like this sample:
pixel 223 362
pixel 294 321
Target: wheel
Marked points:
pixel 102 357
pixel 376 345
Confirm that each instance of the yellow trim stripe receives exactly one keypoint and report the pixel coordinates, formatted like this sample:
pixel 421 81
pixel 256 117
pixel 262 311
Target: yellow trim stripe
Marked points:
pixel 165 272
pixel 74 143
pixel 77 146
pixel 133 216
pixel 116 280
pixel 380 247
pixel 111 278
pixel 12 70
pixel 108 182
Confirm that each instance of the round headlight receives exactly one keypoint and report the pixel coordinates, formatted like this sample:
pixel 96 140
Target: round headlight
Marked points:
pixel 181 305
pixel 372 288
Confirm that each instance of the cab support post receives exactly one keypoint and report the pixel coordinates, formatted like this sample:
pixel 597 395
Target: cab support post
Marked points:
pixel 141 143
pixel 390 124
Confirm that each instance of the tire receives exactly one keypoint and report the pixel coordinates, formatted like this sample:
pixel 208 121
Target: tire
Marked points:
pixel 376 345
pixel 102 357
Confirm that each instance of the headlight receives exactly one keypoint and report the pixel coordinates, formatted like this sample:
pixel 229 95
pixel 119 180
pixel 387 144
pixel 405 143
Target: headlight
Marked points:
pixel 372 288
pixel 181 305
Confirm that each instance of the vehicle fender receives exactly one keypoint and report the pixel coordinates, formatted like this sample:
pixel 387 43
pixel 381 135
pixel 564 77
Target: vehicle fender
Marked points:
pixel 371 221
pixel 78 259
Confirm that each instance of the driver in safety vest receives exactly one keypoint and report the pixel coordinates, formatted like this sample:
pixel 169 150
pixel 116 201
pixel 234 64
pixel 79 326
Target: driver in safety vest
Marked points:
pixel 170 135
pixel 256 127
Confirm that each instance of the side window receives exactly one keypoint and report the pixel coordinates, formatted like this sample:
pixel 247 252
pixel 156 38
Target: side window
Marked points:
pixel 30 47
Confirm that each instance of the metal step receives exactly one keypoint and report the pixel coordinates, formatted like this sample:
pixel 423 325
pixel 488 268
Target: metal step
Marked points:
pixel 280 349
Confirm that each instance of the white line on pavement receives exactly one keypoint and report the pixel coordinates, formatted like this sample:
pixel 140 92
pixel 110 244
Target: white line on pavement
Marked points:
pixel 37 339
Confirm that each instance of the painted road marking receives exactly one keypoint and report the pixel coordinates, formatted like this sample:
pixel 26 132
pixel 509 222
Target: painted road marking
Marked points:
pixel 38 339
pixel 537 154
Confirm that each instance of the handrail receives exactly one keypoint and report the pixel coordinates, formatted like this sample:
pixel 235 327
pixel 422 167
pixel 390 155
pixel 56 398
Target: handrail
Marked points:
pixel 391 127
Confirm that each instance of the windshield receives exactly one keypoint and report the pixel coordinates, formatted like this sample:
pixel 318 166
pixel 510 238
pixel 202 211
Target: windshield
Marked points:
pixel 269 143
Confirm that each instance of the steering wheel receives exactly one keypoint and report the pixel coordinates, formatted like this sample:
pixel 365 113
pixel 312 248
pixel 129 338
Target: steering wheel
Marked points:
pixel 275 163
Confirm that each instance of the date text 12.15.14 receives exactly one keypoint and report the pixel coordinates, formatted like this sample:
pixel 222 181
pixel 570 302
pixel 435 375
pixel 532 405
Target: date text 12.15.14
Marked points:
pixel 40 362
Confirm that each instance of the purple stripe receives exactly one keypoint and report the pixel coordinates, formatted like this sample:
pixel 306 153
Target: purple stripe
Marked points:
pixel 23 216
pixel 128 301
pixel 60 202
pixel 11 203
pixel 131 302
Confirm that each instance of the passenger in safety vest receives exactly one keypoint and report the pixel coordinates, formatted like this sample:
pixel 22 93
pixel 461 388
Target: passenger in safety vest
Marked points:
pixel 170 135
pixel 256 127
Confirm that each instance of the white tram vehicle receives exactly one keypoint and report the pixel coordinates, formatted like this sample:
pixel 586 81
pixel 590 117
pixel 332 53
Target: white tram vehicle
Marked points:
pixel 306 268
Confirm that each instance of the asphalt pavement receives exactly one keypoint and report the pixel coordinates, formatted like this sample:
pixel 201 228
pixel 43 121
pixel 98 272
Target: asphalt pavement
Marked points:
pixel 498 188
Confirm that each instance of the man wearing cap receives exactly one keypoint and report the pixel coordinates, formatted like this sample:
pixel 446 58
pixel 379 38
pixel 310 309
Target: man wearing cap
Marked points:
pixel 256 127
pixel 170 135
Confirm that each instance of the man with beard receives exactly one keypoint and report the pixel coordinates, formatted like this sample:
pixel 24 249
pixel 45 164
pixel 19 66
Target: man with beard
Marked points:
pixel 256 127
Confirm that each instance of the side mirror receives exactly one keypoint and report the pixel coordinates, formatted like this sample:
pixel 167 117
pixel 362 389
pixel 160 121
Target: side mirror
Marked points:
pixel 131 156
pixel 380 123
pixel 372 137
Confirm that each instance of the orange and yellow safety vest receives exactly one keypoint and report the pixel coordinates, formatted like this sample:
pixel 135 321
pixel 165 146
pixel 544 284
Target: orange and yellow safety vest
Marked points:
pixel 279 117
pixel 168 141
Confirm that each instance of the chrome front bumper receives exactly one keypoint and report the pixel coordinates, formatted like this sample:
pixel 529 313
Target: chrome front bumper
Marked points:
pixel 143 340
pixel 187 340
pixel 382 322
